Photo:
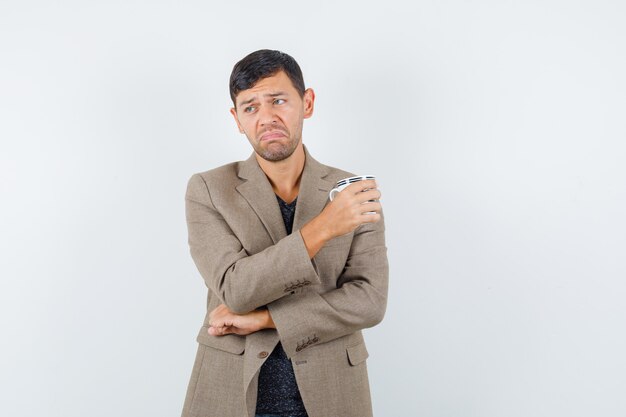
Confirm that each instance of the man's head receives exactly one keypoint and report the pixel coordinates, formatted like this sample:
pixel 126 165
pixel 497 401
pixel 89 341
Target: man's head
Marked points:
pixel 262 64
pixel 270 102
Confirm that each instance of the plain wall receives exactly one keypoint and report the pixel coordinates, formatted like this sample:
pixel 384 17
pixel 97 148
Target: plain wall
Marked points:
pixel 496 130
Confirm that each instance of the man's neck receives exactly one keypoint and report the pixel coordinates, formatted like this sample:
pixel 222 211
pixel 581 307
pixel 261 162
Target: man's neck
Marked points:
pixel 285 175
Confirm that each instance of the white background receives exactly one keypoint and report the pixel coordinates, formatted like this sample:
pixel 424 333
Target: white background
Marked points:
pixel 496 130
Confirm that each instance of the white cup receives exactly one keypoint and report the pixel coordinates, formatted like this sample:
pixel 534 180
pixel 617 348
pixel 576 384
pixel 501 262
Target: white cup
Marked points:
pixel 341 184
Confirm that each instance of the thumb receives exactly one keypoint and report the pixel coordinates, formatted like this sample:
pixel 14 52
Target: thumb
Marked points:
pixel 216 331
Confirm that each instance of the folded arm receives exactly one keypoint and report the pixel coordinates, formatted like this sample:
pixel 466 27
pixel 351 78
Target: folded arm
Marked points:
pixel 309 318
pixel 359 301
pixel 243 282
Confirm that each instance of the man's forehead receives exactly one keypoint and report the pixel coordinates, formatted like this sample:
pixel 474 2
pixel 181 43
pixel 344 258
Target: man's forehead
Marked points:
pixel 271 86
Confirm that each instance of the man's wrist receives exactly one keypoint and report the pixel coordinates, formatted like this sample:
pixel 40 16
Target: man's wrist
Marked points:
pixel 269 322
pixel 315 235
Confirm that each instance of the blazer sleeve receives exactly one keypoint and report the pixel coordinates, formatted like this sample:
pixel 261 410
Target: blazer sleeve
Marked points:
pixel 359 301
pixel 241 281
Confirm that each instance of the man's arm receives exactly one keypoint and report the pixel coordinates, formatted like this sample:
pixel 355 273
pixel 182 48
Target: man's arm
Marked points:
pixel 359 301
pixel 242 282
pixel 245 282
pixel 309 318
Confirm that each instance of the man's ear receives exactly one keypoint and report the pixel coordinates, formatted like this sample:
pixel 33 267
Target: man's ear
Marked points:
pixel 234 113
pixel 309 101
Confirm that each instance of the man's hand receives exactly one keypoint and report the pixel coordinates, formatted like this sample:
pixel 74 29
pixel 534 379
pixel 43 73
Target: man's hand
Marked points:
pixel 346 212
pixel 223 321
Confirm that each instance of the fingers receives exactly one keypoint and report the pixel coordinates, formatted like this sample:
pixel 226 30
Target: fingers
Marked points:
pixel 371 206
pixel 220 331
pixel 360 186
pixel 218 311
pixel 363 190
pixel 221 317
pixel 370 218
pixel 372 194
pixel 222 321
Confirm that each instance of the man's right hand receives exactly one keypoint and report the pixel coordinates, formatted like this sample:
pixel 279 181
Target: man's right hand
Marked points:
pixel 345 213
pixel 223 321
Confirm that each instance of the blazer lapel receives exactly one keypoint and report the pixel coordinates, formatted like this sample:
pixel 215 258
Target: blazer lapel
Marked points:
pixel 258 191
pixel 314 189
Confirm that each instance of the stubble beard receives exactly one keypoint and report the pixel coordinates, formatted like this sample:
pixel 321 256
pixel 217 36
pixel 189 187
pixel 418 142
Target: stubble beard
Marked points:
pixel 276 151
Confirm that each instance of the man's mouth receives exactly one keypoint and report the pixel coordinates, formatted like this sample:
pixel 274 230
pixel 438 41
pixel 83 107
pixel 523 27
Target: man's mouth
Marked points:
pixel 273 134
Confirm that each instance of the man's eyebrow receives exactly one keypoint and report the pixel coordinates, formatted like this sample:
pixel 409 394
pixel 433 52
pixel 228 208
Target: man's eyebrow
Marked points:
pixel 250 100
pixel 243 103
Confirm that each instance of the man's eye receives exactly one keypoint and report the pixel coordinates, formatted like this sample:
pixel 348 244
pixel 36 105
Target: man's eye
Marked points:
pixel 249 109
pixel 279 101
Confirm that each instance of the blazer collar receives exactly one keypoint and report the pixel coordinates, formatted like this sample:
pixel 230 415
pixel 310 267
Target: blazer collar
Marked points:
pixel 257 190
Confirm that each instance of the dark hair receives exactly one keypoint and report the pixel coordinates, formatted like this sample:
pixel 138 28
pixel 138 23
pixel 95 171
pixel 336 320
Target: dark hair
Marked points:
pixel 262 64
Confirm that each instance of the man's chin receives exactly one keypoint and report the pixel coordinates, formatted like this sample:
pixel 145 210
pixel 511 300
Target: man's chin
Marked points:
pixel 275 150
pixel 275 153
pixel 274 156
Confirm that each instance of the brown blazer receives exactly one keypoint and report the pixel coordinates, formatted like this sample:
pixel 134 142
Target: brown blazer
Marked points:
pixel 238 241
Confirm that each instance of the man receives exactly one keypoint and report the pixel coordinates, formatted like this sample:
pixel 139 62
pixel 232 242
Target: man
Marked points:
pixel 292 278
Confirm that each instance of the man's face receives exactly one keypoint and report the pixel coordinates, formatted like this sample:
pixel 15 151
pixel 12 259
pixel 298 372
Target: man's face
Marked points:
pixel 271 115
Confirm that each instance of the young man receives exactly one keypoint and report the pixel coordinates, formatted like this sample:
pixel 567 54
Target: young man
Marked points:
pixel 292 277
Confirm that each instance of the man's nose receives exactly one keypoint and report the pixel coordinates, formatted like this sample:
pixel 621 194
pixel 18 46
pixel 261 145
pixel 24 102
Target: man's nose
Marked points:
pixel 267 115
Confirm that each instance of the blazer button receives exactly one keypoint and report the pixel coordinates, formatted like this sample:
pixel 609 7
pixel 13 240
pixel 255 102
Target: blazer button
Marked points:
pixel 263 355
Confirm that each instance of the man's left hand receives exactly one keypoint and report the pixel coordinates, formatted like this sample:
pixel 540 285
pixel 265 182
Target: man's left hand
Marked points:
pixel 223 321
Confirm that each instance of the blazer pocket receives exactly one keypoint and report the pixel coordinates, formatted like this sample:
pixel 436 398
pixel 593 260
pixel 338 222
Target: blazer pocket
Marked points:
pixel 231 343
pixel 357 354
